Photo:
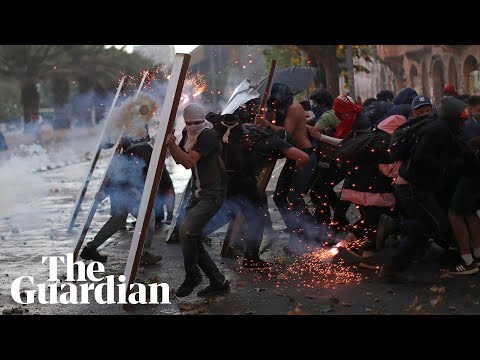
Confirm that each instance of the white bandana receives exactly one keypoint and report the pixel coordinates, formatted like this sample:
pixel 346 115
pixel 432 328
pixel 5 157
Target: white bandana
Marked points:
pixel 193 131
pixel 227 133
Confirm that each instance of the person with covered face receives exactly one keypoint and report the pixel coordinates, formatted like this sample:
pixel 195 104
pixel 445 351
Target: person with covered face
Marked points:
pixel 402 104
pixel 284 114
pixel 124 184
pixel 347 112
pixel 199 150
pixel 421 175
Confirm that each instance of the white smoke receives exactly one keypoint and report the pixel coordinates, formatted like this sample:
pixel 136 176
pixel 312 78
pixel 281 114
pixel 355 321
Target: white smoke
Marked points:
pixel 22 187
pixel 128 117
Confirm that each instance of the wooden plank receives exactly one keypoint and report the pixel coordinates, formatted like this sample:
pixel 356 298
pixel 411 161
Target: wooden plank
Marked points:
pixel 157 162
pixel 93 207
pixel 262 179
pixel 93 162
pixel 268 87
pixel 178 211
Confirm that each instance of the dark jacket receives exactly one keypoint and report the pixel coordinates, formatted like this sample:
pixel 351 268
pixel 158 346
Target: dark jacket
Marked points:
pixel 376 110
pixel 129 170
pixel 402 104
pixel 437 154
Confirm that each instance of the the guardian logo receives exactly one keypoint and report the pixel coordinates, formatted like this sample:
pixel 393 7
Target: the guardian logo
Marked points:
pixel 79 294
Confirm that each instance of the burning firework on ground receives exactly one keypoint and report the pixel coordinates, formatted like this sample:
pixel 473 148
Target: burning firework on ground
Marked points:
pixel 315 269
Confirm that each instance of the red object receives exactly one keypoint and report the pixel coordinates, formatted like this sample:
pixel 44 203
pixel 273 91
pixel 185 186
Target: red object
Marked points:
pixel 346 111
pixel 450 89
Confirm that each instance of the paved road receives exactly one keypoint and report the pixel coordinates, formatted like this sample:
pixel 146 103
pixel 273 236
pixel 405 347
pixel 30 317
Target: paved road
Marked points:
pixel 310 284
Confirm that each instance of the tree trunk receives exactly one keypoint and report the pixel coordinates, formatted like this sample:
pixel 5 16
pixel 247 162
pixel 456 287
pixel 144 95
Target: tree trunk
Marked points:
pixel 327 56
pixel 30 99
pixel 332 70
pixel 61 92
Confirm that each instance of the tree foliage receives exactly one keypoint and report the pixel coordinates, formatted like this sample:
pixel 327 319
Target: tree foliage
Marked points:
pixel 331 57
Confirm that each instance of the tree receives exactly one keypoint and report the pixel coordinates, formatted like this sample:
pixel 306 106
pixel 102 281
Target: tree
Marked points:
pixel 330 57
pixel 30 64
pixel 87 65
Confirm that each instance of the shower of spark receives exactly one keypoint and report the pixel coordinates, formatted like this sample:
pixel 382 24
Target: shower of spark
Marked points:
pixel 195 85
pixel 315 269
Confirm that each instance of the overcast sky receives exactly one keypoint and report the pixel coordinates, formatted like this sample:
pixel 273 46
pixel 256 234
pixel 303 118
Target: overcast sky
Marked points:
pixel 178 48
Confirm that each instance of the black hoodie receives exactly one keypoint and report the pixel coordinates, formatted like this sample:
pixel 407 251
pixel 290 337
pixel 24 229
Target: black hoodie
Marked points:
pixel 437 152
pixel 402 104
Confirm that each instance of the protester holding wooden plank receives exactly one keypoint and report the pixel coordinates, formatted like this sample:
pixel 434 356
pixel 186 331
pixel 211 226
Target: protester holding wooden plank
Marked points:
pixel 292 183
pixel 125 186
pixel 199 150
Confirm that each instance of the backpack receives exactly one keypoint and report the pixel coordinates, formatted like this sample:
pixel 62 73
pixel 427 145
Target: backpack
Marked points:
pixel 376 110
pixel 366 145
pixel 405 137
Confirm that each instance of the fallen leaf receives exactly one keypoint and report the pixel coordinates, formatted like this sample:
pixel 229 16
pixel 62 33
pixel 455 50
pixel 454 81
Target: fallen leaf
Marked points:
pixel 369 294
pixel 260 289
pixel 250 312
pixel 438 289
pixel 240 284
pixel 437 302
pixel 279 293
pixel 155 280
pixel 419 310
pixel 413 304
pixel 346 303
pixel 368 309
pixel 446 275
pixel 452 308
pixel 282 277
pixel 297 311
pixel 185 307
pixel 314 297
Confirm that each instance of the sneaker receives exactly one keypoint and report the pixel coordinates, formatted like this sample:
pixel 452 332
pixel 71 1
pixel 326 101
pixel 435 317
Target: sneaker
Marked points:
pixel 150 259
pixel 188 286
pixel 461 268
pixel 252 263
pixel 215 289
pixel 386 225
pixel 92 254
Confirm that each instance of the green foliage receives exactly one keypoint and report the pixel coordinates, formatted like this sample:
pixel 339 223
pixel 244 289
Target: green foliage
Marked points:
pixel 365 52
pixel 9 100
pixel 291 55
pixel 286 56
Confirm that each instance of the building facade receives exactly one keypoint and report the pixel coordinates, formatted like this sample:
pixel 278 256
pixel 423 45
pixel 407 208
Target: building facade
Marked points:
pixel 428 68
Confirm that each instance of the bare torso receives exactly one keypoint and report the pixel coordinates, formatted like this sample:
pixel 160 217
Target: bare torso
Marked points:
pixel 296 125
